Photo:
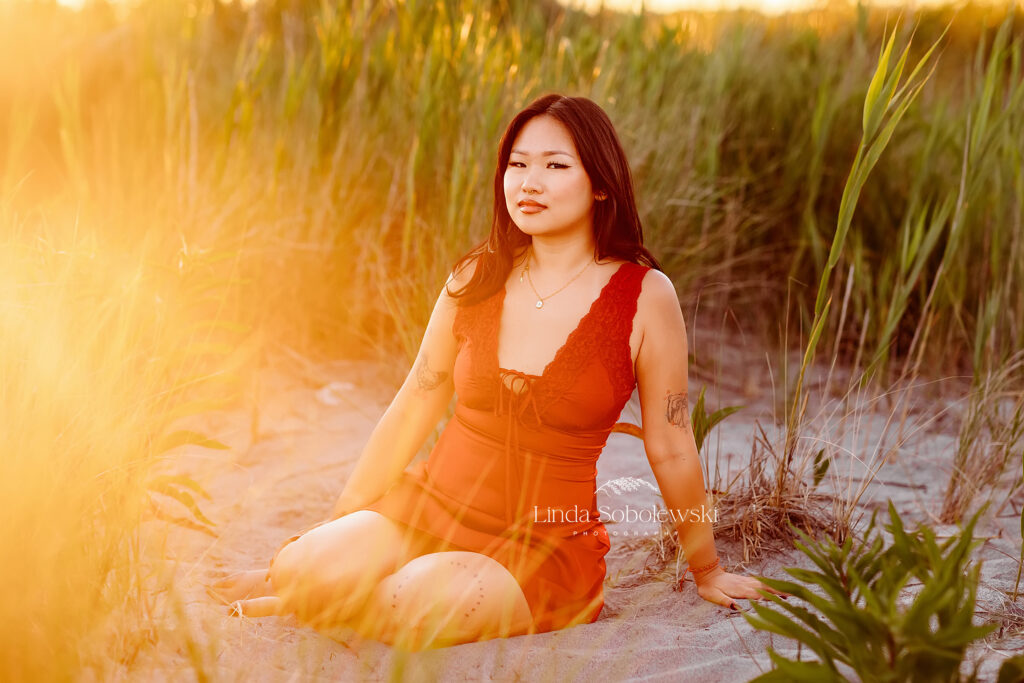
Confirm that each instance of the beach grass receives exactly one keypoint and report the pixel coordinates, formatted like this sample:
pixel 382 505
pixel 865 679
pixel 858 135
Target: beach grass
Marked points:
pixel 187 188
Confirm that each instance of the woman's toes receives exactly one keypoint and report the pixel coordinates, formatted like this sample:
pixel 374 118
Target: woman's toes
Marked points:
pixel 248 584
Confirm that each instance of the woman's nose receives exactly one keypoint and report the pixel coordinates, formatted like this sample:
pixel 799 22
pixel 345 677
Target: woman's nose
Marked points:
pixel 531 185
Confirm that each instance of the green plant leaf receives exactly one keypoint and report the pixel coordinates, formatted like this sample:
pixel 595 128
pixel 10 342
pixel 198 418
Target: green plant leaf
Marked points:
pixel 702 423
pixel 1012 670
pixel 873 109
pixel 163 481
pixel 168 485
pixel 184 437
pixel 860 622
pixel 768 619
pixel 181 521
pixel 821 463
pixel 803 672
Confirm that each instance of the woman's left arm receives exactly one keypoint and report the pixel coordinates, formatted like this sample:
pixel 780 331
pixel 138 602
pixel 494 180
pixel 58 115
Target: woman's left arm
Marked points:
pixel 661 372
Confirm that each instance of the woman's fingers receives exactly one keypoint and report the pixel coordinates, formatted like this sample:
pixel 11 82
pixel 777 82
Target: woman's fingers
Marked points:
pixel 713 594
pixel 751 589
pixel 726 588
pixel 781 594
pixel 754 585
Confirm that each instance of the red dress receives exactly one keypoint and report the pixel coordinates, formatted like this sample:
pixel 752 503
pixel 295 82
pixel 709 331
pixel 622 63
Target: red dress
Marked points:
pixel 513 474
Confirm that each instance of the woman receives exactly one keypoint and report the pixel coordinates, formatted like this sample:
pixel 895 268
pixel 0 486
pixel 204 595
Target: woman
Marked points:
pixel 465 546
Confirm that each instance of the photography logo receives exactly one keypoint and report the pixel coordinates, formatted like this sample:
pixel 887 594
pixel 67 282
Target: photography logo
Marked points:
pixel 626 519
pixel 629 519
pixel 637 520
pixel 626 485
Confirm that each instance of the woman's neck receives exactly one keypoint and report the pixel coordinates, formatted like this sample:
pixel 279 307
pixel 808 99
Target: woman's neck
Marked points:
pixel 556 259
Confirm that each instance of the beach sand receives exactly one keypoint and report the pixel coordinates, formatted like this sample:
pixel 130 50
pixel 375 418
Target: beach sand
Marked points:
pixel 284 471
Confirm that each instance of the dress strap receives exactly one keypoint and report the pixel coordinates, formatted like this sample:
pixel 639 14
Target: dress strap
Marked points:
pixel 606 333
pixel 620 316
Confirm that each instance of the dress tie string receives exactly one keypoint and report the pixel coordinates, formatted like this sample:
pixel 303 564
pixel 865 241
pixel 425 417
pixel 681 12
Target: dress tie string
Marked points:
pixel 514 404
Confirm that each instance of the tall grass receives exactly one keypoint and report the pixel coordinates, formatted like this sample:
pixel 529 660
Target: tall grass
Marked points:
pixel 181 177
pixel 97 363
pixel 349 152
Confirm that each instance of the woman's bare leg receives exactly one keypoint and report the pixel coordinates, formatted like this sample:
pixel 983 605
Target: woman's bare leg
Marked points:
pixel 445 598
pixel 367 572
pixel 329 572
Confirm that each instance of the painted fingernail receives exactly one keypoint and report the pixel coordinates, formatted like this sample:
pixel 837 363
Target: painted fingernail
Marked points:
pixel 734 606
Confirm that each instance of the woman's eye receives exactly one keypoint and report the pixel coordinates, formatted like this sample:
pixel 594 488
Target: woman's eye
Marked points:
pixel 551 164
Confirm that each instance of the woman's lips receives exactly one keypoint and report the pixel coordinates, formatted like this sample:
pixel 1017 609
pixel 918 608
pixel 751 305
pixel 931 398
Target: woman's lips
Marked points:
pixel 531 207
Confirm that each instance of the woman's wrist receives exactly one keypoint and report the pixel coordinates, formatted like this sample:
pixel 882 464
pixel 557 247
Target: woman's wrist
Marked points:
pixel 703 572
pixel 707 577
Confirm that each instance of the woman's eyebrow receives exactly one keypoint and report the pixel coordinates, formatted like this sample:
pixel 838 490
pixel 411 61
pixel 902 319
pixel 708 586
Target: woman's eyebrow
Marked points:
pixel 548 153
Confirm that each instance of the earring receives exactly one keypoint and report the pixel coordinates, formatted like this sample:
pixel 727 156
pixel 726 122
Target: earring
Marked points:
pixel 600 196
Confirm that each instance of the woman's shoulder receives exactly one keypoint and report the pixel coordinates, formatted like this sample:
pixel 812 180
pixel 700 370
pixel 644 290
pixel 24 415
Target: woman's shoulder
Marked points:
pixel 463 272
pixel 635 271
pixel 657 297
pixel 657 287
pixel 461 275
pixel 463 288
pixel 614 262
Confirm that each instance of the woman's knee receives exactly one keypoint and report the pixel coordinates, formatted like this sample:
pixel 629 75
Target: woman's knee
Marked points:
pixel 337 564
pixel 447 598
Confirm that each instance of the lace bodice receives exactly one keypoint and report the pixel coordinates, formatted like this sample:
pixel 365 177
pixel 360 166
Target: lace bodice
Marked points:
pixel 602 336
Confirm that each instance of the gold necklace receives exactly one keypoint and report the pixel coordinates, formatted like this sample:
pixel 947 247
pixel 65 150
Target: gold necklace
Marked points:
pixel 540 299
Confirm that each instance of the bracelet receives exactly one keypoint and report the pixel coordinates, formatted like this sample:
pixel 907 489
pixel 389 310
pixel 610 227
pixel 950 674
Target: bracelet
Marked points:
pixel 711 566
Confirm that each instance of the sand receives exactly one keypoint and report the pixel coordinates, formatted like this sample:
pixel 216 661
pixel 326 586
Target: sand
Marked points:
pixel 284 471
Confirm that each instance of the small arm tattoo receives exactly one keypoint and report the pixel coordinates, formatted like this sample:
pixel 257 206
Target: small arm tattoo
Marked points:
pixel 677 409
pixel 426 378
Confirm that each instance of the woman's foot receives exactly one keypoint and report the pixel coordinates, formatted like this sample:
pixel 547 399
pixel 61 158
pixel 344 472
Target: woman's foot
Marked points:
pixel 240 586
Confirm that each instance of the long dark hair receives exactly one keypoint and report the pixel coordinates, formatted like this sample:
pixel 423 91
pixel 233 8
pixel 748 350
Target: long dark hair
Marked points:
pixel 617 229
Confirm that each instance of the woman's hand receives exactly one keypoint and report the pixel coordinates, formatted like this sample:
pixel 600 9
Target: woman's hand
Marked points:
pixel 723 588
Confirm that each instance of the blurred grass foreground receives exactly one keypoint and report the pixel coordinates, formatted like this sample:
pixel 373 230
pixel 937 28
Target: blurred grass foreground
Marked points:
pixel 188 186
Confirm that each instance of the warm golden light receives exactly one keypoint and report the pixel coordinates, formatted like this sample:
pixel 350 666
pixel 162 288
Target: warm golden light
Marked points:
pixel 194 193
pixel 772 7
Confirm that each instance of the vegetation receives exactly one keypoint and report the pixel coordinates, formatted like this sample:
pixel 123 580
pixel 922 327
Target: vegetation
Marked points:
pixel 341 152
pixel 896 612
pixel 188 187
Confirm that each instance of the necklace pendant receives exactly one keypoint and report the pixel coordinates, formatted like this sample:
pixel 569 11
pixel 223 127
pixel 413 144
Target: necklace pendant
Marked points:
pixel 540 303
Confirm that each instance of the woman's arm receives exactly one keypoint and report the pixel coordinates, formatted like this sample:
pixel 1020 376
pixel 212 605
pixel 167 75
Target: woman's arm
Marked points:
pixel 661 371
pixel 413 414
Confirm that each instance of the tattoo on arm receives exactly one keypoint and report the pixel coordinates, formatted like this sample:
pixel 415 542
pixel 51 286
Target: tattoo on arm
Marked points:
pixel 426 378
pixel 677 409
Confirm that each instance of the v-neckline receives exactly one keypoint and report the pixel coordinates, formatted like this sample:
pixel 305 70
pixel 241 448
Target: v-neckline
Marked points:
pixel 568 340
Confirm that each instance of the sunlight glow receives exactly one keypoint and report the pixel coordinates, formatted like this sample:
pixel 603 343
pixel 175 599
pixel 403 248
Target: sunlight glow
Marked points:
pixel 765 6
pixel 665 6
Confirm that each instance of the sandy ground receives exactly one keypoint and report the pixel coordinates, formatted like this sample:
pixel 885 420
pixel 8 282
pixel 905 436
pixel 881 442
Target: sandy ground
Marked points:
pixel 285 474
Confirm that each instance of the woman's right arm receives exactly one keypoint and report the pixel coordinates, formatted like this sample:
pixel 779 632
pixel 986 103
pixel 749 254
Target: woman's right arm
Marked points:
pixel 414 412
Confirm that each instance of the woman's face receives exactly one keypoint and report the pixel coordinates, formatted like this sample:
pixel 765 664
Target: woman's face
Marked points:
pixel 546 189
